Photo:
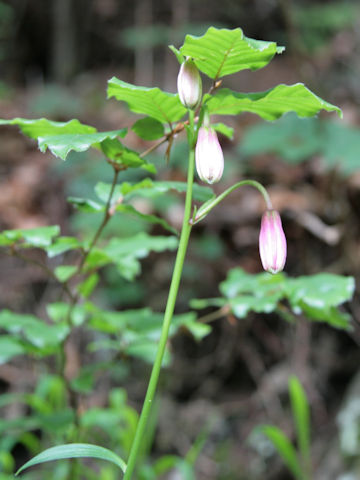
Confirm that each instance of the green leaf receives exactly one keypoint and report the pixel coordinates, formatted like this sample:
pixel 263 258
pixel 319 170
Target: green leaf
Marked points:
pixel 35 237
pixel 224 130
pixel 63 137
pixel 115 151
pixel 321 291
pixel 62 145
pixel 59 312
pixel 86 287
pixel 34 330
pixel 150 189
pixel 241 306
pixel 146 350
pixel 75 450
pixel 64 272
pixel 124 190
pixel 148 128
pixel 43 128
pixel 301 414
pixel 130 210
pixel 221 52
pixel 271 104
pixel 284 448
pixel 164 107
pixel 86 205
pixel 240 282
pixel 124 252
pixel 61 245
pixel 10 347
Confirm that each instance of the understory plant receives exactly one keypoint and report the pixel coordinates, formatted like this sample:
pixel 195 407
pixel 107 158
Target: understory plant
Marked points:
pixel 69 430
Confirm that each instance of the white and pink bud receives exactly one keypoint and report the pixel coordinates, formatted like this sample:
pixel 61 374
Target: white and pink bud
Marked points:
pixel 272 242
pixel 189 84
pixel 209 156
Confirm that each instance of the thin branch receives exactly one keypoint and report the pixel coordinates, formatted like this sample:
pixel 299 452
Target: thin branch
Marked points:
pixel 13 252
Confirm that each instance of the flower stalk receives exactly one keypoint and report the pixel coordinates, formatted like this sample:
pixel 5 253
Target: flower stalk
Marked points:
pixel 169 311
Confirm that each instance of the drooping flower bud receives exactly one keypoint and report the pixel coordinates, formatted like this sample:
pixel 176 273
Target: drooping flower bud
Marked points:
pixel 272 242
pixel 209 156
pixel 189 84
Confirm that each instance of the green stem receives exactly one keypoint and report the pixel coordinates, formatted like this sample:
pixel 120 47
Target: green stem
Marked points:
pixel 208 206
pixel 173 291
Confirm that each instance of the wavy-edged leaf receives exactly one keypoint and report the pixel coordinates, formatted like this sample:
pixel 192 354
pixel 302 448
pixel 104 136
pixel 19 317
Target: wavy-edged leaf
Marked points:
pixel 284 447
pixel 62 145
pixel 63 137
pixel 271 104
pixel 164 107
pixel 221 52
pixel 75 450
pixel 42 127
pixel 31 237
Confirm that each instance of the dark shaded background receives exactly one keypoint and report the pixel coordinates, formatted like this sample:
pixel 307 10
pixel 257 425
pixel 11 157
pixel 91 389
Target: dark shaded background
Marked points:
pixel 55 59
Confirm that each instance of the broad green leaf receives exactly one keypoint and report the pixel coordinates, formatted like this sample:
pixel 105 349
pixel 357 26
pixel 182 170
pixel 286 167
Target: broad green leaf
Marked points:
pixel 35 237
pixel 130 210
pixel 221 52
pixel 241 306
pixel 10 347
pixel 330 315
pixel 124 252
pixel 271 104
pixel 115 151
pixel 284 448
pixel 34 330
pixel 75 450
pixel 320 291
pixel 43 128
pixel 64 272
pixel 301 414
pixel 140 245
pixel 62 145
pixel 164 107
pixel 61 245
pixel 240 282
pixel 148 128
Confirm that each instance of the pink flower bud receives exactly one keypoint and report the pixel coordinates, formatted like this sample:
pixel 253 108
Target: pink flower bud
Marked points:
pixel 209 156
pixel 272 242
pixel 189 84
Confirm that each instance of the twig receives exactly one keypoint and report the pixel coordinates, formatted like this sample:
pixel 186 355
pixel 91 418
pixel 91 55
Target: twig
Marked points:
pixel 13 252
